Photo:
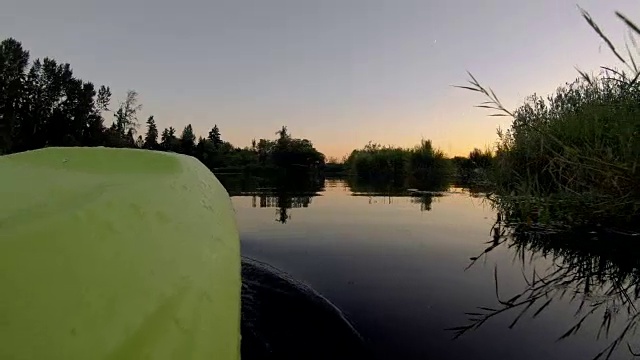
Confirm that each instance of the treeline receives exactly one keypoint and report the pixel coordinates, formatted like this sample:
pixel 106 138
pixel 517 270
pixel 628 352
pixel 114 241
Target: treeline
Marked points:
pixel 421 166
pixel 475 169
pixel 284 152
pixel 43 104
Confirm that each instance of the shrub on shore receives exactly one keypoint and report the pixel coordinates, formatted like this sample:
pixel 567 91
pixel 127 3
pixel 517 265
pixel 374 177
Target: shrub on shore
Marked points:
pixel 573 157
pixel 423 165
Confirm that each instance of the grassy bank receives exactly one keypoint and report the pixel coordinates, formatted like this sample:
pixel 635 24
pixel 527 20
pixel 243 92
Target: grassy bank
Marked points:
pixel 422 166
pixel 572 158
pixel 474 169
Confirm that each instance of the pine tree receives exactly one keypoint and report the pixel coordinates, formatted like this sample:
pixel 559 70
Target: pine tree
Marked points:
pixel 151 138
pixel 168 139
pixel 214 136
pixel 13 65
pixel 188 140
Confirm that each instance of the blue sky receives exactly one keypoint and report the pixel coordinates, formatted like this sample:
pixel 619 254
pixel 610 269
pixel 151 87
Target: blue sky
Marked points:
pixel 339 72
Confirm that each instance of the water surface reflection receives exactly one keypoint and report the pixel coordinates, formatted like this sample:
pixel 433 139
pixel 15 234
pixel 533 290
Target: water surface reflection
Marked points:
pixel 404 266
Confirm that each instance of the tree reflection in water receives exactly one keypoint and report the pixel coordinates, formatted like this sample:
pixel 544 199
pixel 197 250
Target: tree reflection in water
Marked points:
pixel 388 192
pixel 280 192
pixel 596 272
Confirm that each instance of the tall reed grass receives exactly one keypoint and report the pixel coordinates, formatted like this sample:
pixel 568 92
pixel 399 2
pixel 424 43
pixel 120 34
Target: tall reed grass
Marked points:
pixel 421 166
pixel 573 157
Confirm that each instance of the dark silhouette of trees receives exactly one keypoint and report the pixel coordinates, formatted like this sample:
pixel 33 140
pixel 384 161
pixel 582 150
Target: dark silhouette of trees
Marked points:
pixel 126 115
pixel 151 138
pixel 422 166
pixel 13 63
pixel 104 99
pixel 214 136
pixel 288 152
pixel 169 141
pixel 475 168
pixel 188 140
pixel 43 104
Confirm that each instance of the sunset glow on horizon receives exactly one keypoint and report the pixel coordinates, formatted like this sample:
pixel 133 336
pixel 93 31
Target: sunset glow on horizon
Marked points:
pixel 338 73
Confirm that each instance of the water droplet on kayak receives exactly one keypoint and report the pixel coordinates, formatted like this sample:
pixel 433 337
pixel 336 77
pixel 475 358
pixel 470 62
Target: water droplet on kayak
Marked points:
pixel 206 204
pixel 162 217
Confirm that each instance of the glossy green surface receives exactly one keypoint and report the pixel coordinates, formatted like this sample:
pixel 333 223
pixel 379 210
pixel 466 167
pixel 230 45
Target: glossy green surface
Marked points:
pixel 116 254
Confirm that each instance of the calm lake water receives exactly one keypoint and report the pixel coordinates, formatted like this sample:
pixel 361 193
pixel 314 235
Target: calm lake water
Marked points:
pixel 403 269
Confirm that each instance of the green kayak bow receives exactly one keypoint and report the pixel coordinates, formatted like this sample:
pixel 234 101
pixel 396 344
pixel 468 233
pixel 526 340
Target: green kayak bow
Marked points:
pixel 116 254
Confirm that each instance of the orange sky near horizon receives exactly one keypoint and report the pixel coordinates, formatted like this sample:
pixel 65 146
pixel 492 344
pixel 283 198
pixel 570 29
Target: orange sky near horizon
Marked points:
pixel 339 73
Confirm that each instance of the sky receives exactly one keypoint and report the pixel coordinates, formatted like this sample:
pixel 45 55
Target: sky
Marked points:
pixel 338 72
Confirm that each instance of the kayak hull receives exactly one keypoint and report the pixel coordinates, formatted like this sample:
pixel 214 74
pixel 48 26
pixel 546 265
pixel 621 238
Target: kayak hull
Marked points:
pixel 116 254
